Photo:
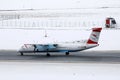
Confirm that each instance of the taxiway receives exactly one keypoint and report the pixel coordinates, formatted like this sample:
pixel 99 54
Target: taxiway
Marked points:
pixel 76 57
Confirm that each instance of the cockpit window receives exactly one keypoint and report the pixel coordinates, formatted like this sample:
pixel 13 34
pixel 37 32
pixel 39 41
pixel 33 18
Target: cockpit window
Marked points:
pixel 113 21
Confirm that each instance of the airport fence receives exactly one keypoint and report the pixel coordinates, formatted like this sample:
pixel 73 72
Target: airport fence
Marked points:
pixel 49 22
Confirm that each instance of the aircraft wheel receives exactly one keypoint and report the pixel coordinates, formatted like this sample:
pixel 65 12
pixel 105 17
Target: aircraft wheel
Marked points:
pixel 48 54
pixel 21 54
pixel 67 53
pixel 37 50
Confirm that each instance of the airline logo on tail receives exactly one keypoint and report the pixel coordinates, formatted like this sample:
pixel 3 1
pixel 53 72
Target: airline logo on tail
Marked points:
pixel 94 37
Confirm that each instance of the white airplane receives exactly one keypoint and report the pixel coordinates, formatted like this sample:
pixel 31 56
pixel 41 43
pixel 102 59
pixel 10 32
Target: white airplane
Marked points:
pixel 64 46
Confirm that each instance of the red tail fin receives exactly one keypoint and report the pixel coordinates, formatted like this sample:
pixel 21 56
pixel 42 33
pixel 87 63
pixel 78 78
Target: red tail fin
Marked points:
pixel 94 37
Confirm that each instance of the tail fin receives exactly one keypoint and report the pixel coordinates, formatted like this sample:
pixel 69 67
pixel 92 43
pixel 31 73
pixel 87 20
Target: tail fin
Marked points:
pixel 94 37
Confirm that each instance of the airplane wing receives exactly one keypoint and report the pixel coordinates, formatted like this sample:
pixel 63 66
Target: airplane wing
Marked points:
pixel 38 47
pixel 50 46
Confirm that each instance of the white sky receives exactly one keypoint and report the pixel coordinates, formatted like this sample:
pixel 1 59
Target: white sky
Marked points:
pixel 56 4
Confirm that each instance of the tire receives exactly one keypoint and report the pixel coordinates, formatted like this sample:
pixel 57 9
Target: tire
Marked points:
pixel 21 54
pixel 67 53
pixel 48 55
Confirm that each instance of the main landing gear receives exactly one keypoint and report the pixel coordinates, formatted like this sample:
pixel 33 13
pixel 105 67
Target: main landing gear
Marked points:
pixel 47 53
pixel 21 53
pixel 67 53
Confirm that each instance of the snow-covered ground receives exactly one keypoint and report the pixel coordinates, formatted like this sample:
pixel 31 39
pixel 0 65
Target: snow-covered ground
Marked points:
pixel 74 27
pixel 14 38
pixel 81 24
pixel 79 14
pixel 58 71
pixel 55 4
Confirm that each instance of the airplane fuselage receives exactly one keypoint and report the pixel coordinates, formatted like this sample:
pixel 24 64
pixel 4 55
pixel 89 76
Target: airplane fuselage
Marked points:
pixel 66 47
